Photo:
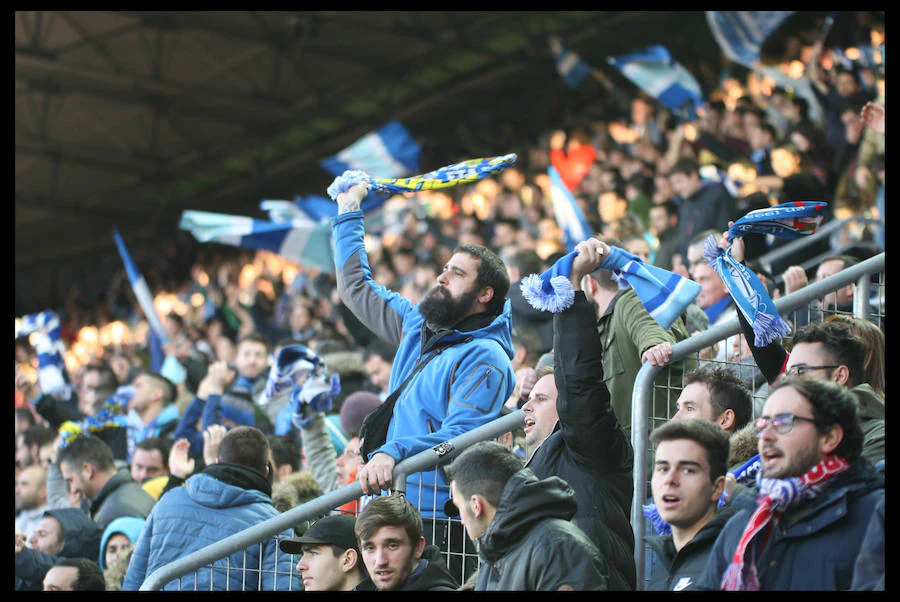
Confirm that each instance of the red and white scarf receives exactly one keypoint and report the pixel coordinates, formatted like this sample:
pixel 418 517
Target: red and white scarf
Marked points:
pixel 775 496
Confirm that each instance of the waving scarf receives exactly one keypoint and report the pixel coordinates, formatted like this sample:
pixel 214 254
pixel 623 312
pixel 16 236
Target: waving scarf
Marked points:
pixel 788 220
pixel 464 172
pixel 775 496
pixel 664 294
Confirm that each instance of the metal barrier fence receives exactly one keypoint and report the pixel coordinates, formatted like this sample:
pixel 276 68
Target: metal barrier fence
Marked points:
pixel 218 556
pixel 799 307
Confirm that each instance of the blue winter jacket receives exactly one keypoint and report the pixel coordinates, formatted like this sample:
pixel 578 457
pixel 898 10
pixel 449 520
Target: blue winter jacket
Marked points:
pixel 813 546
pixel 204 511
pixel 462 388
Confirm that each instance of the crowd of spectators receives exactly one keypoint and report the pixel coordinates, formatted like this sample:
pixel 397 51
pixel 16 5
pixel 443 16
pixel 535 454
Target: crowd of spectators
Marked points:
pixel 646 182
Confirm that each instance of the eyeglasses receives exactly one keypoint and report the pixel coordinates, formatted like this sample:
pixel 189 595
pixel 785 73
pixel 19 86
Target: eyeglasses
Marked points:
pixel 782 423
pixel 799 369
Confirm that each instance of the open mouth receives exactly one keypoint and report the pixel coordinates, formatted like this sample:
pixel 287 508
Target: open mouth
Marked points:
pixel 770 455
pixel 529 423
pixel 669 500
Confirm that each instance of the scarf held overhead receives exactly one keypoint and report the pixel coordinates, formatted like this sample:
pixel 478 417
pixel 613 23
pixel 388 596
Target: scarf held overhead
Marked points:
pixel 465 172
pixel 664 294
pixel 787 220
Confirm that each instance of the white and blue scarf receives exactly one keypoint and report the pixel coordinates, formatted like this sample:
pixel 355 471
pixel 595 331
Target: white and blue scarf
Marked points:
pixel 52 375
pixel 787 220
pixel 664 294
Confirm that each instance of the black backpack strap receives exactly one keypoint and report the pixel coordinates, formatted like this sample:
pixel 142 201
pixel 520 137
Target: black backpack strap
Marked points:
pixel 373 432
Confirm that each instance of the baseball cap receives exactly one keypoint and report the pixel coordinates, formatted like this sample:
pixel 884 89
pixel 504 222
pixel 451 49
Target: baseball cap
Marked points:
pixel 336 530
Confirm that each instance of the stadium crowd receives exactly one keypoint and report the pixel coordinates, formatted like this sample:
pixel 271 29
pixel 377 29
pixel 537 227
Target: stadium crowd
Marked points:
pixel 148 460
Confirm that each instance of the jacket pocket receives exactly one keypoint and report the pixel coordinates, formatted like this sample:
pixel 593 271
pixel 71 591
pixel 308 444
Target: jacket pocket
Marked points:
pixel 481 389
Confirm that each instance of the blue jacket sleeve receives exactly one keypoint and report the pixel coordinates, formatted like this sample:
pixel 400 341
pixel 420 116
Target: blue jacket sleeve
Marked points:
pixel 187 426
pixel 381 310
pixel 137 566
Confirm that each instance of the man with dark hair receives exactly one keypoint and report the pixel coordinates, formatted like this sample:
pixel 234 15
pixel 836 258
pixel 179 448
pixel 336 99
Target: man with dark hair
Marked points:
pixel 688 479
pixel 718 395
pixel 842 299
pixel 329 556
pixel 153 402
pixel 379 360
pixel 803 528
pixel 285 456
pixel 75 575
pixel 150 460
pixel 98 382
pixel 519 523
pixel 703 205
pixel 455 343
pixel 389 531
pixel 88 467
pixel 228 496
pixel 572 431
pixel 631 337
pixel 663 219
pixel 29 443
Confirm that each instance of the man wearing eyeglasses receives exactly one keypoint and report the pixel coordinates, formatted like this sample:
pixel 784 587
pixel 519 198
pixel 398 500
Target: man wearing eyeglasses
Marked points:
pixel 828 350
pixel 804 527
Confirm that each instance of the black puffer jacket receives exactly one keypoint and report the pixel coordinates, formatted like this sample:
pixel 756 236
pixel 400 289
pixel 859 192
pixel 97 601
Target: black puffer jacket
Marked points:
pixel 531 543
pixel 588 448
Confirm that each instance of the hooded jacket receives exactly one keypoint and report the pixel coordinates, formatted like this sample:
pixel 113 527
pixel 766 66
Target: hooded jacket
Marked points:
pixel 461 389
pixel 680 570
pixel 588 447
pixel 220 501
pixel 81 538
pixel 431 574
pixel 531 543
pixel 130 526
pixel 812 546
pixel 120 496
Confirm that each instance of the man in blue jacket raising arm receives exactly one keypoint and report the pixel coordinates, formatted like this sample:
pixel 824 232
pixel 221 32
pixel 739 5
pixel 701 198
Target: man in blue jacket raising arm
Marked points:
pixel 462 329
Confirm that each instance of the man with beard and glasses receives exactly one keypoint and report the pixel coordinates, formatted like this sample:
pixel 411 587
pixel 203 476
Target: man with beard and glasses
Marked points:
pixel 461 328
pixel 804 527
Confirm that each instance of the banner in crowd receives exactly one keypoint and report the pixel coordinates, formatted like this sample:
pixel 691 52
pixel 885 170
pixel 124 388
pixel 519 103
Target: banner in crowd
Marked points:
pixel 568 214
pixel 158 336
pixel 300 240
pixel 741 33
pixel 389 151
pixel 655 72
pixel 50 349
pixel 569 65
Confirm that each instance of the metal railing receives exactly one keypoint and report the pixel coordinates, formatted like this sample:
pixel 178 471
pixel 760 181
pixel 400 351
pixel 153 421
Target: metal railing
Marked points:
pixel 642 397
pixel 324 504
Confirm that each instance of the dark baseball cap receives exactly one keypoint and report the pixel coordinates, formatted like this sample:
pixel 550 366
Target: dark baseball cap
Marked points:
pixel 336 530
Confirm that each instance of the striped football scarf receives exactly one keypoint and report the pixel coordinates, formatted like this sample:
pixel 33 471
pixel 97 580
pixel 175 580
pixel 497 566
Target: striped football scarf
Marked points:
pixel 52 375
pixel 775 496
pixel 787 220
pixel 664 294
pixel 465 172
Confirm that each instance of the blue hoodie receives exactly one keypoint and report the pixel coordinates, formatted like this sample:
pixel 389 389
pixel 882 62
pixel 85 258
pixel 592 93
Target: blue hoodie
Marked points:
pixel 130 526
pixel 461 389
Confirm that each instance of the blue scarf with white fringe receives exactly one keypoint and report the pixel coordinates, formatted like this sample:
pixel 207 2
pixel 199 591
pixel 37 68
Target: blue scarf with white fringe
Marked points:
pixel 664 294
pixel 787 220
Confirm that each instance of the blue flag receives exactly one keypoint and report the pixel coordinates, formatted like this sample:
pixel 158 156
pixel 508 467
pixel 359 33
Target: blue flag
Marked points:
pixel 145 300
pixel 300 240
pixel 390 151
pixel 569 65
pixel 568 214
pixel 655 72
pixel 52 375
pixel 741 33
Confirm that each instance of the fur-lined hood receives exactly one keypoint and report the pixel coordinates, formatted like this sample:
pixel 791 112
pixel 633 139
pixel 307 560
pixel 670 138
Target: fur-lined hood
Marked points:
pixel 743 445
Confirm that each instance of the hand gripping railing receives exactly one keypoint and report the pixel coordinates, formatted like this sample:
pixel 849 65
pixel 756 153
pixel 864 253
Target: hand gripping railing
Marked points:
pixel 325 503
pixel 643 383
